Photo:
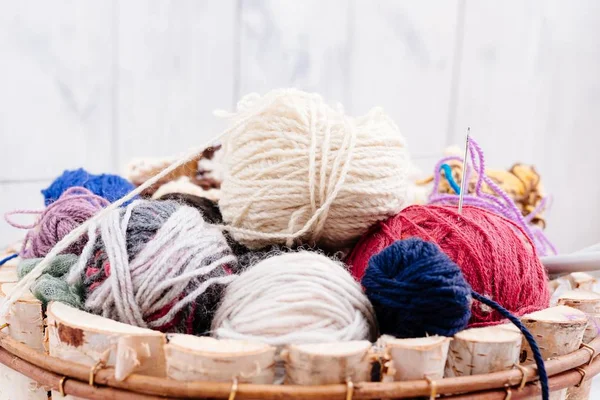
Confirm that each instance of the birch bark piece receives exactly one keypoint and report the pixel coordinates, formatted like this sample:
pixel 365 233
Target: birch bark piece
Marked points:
pixel 27 326
pixel 12 263
pixel 559 286
pixel 554 284
pixel 580 393
pixel 191 358
pixel 10 250
pixel 483 350
pixel 589 303
pixel 8 273
pixel 15 247
pixel 558 331
pixel 581 280
pixel 26 319
pixel 417 358
pixel 140 170
pixel 80 337
pixel 328 363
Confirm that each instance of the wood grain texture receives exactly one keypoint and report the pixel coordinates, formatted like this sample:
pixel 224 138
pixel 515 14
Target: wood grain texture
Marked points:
pixel 175 65
pixel 410 389
pixel 55 83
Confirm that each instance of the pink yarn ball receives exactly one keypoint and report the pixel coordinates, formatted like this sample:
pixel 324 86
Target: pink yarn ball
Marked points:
pixel 494 254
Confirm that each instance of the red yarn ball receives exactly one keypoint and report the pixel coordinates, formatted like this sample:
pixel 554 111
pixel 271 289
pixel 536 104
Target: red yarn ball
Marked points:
pixel 495 255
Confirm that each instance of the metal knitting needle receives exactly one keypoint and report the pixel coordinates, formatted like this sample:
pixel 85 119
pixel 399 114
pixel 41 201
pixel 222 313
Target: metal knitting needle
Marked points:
pixel 463 182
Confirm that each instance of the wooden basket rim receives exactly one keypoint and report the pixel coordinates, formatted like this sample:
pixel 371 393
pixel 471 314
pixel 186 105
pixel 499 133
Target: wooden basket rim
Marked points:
pixel 564 372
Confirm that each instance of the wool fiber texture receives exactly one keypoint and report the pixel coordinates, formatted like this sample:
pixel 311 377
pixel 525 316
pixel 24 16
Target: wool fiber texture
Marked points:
pixel 75 206
pixel 500 202
pixel 208 208
pixel 495 255
pixel 300 171
pixel 155 264
pixel 417 290
pixel 52 285
pixel 110 187
pixel 298 297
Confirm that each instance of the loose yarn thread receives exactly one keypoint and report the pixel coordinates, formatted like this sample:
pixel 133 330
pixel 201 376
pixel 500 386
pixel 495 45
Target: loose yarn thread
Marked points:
pixel 8 258
pixel 241 120
pixel 211 214
pixel 495 255
pixel 300 171
pixel 75 206
pixel 300 297
pixel 535 349
pixel 24 284
pixel 110 187
pixel 501 203
pixel 448 173
pixel 409 279
pixel 156 264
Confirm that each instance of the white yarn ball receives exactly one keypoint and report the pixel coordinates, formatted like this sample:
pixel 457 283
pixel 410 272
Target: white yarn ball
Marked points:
pixel 299 171
pixel 293 298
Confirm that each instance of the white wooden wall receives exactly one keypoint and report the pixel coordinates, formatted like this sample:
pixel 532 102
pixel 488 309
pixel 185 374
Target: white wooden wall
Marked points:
pixel 95 83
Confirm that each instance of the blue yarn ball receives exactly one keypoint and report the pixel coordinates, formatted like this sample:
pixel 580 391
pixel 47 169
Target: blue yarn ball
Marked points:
pixel 111 187
pixel 417 290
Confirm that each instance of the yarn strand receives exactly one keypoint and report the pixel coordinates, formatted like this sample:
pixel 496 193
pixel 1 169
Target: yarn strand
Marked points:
pixel 501 203
pixel 74 206
pixel 158 265
pixel 8 258
pixel 412 277
pixel 303 172
pixel 253 107
pixel 24 284
pixel 537 355
pixel 21 212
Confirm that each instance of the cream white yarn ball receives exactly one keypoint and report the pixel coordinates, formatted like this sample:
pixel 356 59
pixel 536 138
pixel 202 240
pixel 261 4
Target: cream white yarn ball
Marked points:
pixel 292 298
pixel 300 171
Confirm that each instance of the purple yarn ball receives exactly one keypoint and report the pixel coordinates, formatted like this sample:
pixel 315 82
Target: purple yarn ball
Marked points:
pixel 74 207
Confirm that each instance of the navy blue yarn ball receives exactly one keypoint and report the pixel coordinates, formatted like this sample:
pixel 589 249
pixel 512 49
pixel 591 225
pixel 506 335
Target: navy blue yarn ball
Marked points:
pixel 111 187
pixel 417 290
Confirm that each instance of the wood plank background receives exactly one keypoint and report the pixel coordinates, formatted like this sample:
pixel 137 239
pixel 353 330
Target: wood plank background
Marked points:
pixel 95 83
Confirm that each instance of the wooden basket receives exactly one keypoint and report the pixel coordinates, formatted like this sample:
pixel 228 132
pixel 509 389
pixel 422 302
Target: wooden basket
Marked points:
pixel 24 349
pixel 79 380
